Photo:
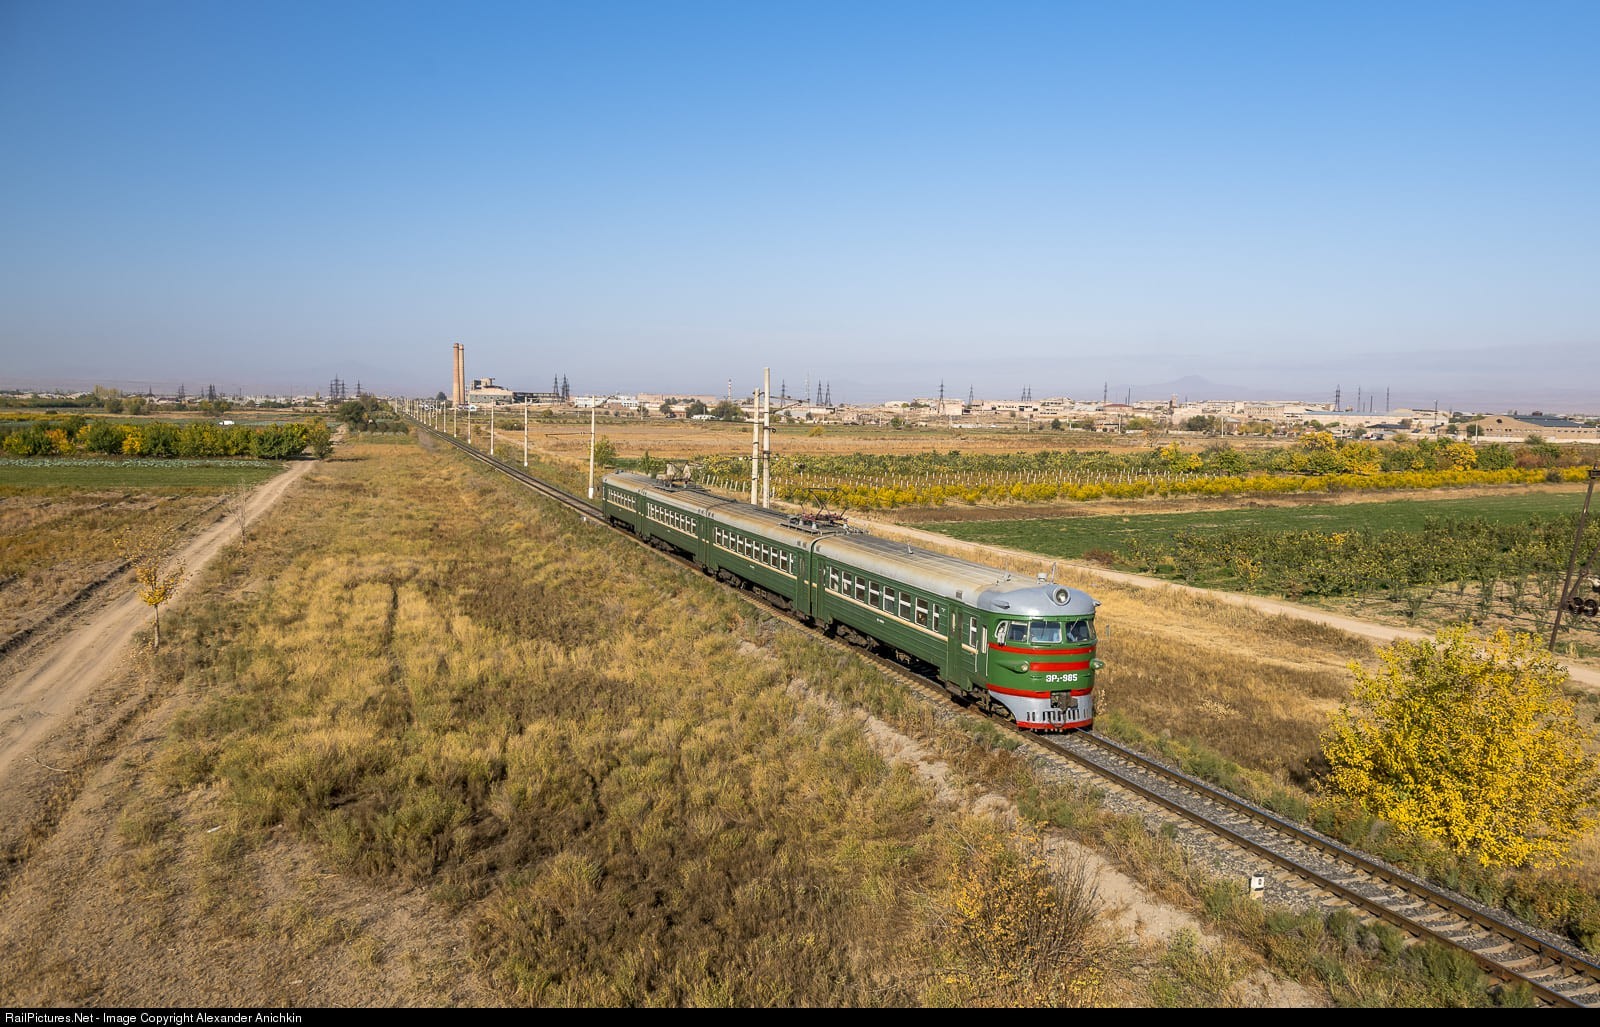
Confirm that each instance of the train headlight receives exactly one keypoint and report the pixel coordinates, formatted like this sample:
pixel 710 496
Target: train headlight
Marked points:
pixel 1023 666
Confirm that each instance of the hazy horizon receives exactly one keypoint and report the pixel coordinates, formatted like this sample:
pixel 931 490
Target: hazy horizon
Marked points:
pixel 1070 198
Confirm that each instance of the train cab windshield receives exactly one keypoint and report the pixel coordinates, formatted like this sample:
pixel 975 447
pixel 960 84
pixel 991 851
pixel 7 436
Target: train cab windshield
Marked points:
pixel 1042 632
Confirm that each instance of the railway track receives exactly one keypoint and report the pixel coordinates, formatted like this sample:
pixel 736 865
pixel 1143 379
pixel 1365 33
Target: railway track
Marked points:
pixel 1290 858
pixel 1295 857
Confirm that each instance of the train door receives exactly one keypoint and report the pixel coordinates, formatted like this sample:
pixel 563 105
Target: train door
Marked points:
pixel 812 586
pixel 974 641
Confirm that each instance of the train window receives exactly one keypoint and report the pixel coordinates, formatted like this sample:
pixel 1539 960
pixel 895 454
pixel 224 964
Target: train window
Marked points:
pixel 922 612
pixel 861 588
pixel 905 606
pixel 938 617
pixel 972 632
pixel 1006 631
pixel 833 578
pixel 1044 632
pixel 872 592
pixel 888 600
pixel 1078 631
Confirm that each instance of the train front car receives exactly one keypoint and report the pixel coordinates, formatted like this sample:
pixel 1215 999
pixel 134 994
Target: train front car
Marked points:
pixel 1041 663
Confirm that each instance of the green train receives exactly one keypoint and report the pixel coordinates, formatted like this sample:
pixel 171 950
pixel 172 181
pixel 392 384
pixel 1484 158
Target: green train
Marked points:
pixel 1019 648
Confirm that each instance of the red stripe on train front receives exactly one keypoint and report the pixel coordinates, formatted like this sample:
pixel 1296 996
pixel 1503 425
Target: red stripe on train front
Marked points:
pixel 1041 652
pixel 1044 668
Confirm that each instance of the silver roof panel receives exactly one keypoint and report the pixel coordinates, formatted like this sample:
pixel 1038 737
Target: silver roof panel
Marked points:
pixel 985 588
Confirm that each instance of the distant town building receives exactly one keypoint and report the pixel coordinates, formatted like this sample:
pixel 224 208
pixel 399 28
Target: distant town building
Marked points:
pixel 485 392
pixel 1510 427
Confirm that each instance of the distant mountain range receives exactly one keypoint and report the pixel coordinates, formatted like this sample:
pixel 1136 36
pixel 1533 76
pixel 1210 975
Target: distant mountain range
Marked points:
pixel 1476 399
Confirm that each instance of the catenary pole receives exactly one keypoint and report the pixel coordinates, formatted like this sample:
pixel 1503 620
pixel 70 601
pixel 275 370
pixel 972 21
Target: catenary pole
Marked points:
pixel 766 437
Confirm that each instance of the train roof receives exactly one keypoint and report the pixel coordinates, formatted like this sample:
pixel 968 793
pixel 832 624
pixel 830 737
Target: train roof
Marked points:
pixel 685 497
pixel 787 528
pixel 977 585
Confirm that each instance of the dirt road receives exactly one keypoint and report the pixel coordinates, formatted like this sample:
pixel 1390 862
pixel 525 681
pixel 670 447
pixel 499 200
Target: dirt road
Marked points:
pixel 53 684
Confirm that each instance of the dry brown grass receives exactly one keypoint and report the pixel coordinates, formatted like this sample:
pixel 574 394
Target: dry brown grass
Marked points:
pixel 55 543
pixel 430 743
pixel 567 439
pixel 596 783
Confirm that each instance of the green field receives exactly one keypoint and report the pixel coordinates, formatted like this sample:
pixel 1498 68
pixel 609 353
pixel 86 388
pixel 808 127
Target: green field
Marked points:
pixel 135 474
pixel 1072 537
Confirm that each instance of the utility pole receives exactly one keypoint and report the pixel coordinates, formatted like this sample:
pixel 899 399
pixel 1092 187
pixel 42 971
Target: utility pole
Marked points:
pixel 524 435
pixel 755 448
pixel 1569 585
pixel 766 437
pixel 591 447
pixel 491 431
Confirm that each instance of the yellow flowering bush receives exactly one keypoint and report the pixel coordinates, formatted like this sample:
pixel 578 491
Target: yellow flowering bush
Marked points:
pixel 1470 742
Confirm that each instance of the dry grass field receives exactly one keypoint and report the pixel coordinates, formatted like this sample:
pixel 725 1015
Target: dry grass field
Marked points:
pixel 427 742
pixel 677 439
pixel 1238 695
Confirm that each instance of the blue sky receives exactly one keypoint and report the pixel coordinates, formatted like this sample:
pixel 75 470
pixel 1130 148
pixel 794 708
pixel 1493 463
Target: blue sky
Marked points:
pixel 1397 200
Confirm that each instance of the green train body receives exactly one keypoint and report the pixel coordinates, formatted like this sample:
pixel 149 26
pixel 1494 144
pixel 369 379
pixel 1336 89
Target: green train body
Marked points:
pixel 1023 648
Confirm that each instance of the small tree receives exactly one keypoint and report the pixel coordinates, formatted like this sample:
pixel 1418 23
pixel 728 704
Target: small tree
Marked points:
pixel 318 438
pixel 235 502
pixel 1469 742
pixel 150 553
